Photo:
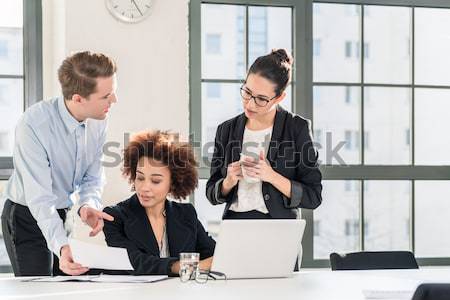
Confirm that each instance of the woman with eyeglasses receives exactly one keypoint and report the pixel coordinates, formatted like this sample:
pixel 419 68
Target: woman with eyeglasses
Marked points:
pixel 264 163
pixel 153 229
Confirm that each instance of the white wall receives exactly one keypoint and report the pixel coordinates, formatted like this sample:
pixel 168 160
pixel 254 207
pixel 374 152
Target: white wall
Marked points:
pixel 152 59
pixel 53 45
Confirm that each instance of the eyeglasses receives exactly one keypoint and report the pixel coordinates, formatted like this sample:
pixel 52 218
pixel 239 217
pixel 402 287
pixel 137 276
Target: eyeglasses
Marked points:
pixel 204 275
pixel 260 101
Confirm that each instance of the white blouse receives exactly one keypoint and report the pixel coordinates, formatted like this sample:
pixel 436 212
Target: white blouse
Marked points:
pixel 250 196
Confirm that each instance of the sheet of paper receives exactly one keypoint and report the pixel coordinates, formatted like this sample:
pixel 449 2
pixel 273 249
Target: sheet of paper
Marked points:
pixel 101 278
pixel 388 286
pixel 99 257
pixel 130 279
pixel 388 294
pixel 58 279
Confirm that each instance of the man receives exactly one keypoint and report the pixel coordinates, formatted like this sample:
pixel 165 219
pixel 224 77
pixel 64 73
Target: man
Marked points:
pixel 57 157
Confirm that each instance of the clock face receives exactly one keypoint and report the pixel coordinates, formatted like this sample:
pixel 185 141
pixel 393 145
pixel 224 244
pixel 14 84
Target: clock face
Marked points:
pixel 130 11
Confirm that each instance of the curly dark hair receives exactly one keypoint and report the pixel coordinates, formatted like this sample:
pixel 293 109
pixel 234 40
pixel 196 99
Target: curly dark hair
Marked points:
pixel 166 148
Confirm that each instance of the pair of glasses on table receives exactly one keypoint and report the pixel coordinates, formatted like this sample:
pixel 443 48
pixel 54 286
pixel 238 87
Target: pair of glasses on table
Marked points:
pixel 204 275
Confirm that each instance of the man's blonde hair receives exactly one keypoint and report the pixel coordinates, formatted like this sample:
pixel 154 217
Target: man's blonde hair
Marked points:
pixel 78 72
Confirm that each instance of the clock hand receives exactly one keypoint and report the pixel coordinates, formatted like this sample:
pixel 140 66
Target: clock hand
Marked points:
pixel 132 1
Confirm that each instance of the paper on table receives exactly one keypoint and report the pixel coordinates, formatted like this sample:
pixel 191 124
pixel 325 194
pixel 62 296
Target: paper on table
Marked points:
pixel 101 278
pixel 100 257
pixel 389 287
pixel 124 279
pixel 388 294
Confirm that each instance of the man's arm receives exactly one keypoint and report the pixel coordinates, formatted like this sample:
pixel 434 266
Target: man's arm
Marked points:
pixel 91 186
pixel 32 163
pixel 91 189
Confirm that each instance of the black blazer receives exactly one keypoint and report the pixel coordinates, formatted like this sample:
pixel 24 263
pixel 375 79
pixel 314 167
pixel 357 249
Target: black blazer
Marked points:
pixel 131 229
pixel 291 153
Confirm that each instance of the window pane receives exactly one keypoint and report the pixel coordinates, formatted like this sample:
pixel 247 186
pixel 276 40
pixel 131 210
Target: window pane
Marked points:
pixel 336 221
pixel 386 212
pixel 432 141
pixel 213 43
pixel 387 120
pixel 339 34
pixel 11 107
pixel 337 115
pixel 432 46
pixel 287 102
pixel 220 102
pixel 269 27
pixel 387 41
pixel 432 222
pixel 209 215
pixel 11 41
pixel 223 54
pixel 4 260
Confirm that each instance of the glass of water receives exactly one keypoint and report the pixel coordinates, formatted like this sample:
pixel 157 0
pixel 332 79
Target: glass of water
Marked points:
pixel 189 266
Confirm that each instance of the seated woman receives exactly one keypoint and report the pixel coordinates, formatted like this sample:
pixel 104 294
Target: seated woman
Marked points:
pixel 154 230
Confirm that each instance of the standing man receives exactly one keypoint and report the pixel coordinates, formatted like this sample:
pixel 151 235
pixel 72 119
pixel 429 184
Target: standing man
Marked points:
pixel 57 156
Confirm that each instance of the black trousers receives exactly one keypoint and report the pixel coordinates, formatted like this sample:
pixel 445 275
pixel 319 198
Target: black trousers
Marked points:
pixel 25 244
pixel 253 214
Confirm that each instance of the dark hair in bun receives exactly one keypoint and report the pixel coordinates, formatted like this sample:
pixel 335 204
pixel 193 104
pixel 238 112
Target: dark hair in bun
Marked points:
pixel 276 67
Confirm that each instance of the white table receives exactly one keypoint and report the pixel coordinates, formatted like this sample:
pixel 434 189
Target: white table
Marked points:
pixel 307 284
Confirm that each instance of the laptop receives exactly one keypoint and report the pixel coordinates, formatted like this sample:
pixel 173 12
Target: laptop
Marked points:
pixel 258 248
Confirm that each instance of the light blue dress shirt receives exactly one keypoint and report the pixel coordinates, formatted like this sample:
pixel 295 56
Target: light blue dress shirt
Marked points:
pixel 55 158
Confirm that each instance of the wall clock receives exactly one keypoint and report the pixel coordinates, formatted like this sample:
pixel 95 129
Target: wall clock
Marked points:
pixel 129 11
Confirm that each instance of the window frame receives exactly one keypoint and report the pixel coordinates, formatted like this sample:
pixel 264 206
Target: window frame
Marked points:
pixel 32 73
pixel 302 103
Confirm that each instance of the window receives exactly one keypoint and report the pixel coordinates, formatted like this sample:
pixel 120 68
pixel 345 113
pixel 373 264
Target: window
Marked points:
pixel 348 49
pixel 351 186
pixel 432 206
pixel 387 139
pixel 366 186
pixel 386 207
pixel 5 265
pixel 348 95
pixel 213 90
pixel 407 137
pixel 351 227
pixel 377 79
pixel 20 84
pixel 334 215
pixel 213 43
pixel 366 50
pixel 11 68
pixel 351 140
pixel 366 139
pixel 316 47
pixel 250 31
pixel 318 136
pixel 351 10
pixel 352 49
pixel 3 49
pixel 4 142
pixel 348 139
pixel 317 228
pixel 316 9
pixel 4 261
pixel 3 100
